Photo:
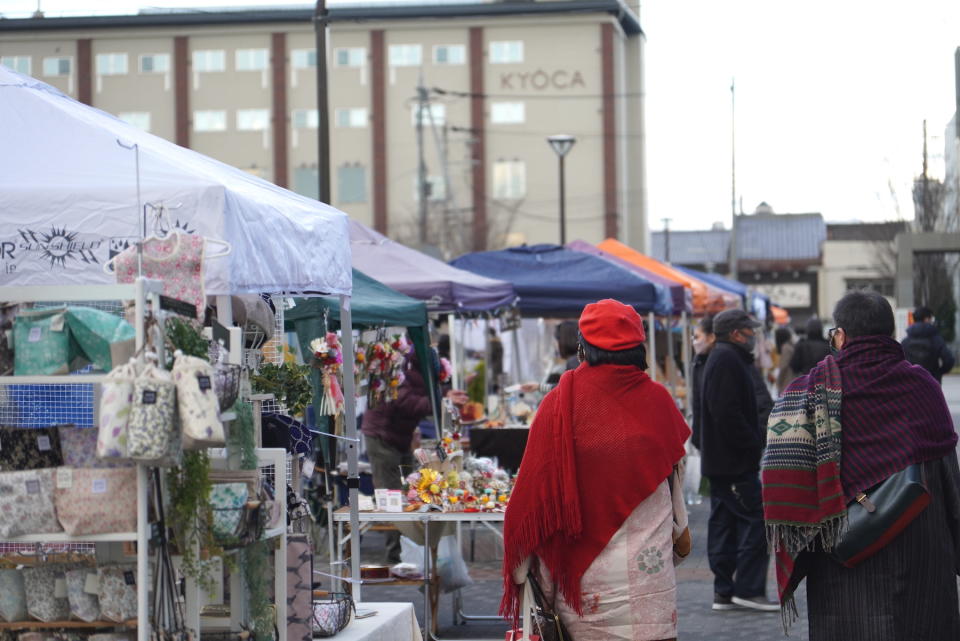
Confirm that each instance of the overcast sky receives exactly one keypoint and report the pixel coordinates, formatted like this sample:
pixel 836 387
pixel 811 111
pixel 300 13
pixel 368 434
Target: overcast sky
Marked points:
pixel 830 100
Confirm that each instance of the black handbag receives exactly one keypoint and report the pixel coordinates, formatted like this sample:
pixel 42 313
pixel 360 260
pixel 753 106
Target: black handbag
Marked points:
pixel 875 517
pixel 547 620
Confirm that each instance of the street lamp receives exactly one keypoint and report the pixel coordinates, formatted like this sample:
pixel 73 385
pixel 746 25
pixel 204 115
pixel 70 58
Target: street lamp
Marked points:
pixel 562 144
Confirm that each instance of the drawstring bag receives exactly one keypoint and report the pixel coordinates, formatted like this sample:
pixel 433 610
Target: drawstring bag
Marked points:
pixel 83 605
pixel 116 404
pixel 96 500
pixel 13 596
pixel 152 425
pixel 26 503
pixel 43 344
pixel 200 425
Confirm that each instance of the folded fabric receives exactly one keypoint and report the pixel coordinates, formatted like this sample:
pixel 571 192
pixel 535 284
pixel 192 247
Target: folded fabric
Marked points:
pixel 29 449
pixel 43 344
pixel 104 338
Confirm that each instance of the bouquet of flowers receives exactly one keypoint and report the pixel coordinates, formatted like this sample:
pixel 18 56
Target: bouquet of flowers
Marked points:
pixel 385 361
pixel 328 358
pixel 428 486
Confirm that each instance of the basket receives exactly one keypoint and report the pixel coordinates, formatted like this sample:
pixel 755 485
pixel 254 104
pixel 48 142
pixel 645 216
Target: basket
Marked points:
pixel 332 615
pixel 226 383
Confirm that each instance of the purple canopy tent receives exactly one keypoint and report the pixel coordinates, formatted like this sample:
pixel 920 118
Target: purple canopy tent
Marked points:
pixel 444 287
pixel 679 296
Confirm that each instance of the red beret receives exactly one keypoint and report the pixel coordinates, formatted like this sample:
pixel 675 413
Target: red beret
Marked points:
pixel 610 325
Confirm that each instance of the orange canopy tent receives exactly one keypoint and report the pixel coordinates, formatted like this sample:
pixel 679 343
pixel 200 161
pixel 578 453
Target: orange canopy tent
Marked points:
pixel 706 298
pixel 780 315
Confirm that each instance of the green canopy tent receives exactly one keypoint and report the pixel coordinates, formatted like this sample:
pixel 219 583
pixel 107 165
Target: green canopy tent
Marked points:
pixel 373 305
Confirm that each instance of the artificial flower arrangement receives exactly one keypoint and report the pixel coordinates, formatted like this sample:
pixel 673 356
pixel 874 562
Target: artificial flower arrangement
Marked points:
pixel 446 371
pixel 485 489
pixel 328 358
pixel 385 361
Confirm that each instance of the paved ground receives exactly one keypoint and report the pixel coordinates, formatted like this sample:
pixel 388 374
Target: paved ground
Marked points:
pixel 695 582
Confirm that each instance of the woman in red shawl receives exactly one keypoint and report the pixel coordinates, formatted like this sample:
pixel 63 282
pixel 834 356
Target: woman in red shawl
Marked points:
pixel 592 508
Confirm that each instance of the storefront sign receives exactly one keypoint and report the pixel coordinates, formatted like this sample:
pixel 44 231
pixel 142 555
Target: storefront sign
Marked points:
pixel 541 80
pixel 787 295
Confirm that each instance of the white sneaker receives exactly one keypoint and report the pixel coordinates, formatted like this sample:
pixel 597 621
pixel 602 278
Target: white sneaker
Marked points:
pixel 756 603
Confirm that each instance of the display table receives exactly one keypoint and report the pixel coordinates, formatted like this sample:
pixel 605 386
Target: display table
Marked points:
pixel 393 622
pixel 429 521
pixel 506 443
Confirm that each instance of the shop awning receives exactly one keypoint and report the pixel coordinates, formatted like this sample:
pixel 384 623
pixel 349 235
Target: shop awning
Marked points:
pixel 69 200
pixel 556 282
pixel 442 287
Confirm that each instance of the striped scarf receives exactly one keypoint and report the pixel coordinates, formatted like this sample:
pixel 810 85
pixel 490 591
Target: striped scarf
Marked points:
pixel 803 499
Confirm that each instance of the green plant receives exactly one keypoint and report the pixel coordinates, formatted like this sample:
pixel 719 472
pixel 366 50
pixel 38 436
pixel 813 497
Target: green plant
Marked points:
pixel 190 514
pixel 185 337
pixel 256 569
pixel 289 383
pixel 476 388
pixel 241 438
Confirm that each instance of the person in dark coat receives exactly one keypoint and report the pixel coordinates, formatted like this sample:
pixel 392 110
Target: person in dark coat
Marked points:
pixel 703 341
pixel 732 444
pixel 810 350
pixel 925 346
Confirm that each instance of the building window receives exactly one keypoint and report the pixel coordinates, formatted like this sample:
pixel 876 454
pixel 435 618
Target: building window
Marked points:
pixel 57 66
pixel 433 114
pixel 303 58
pixel 356 117
pixel 209 60
pixel 436 188
pixel 139 119
pixel 210 120
pixel 507 113
pixel 506 52
pixel 154 63
pixel 350 56
pixel 305 119
pixel 883 286
pixel 509 179
pixel 253 119
pixel 251 59
pixel 306 181
pixel 20 64
pixel 111 64
pixel 449 54
pixel 405 55
pixel 352 184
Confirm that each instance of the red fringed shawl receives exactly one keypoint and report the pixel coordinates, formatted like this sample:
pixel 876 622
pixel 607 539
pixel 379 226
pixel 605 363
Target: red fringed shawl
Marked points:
pixel 601 443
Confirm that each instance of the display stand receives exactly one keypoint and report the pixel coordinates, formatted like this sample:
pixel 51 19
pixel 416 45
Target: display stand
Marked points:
pixel 141 292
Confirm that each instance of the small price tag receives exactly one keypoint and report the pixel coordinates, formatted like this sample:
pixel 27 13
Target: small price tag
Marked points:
pixel 35 334
pixel 92 584
pixel 64 478
pixel 149 397
pixel 60 588
pixel 43 443
pixel 33 486
pixel 130 577
pixel 441 453
pixel 308 467
pixel 98 486
pixel 204 382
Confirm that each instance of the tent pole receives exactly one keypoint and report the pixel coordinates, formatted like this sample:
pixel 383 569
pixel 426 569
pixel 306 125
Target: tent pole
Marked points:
pixel 685 357
pixel 670 364
pixel 652 346
pixel 350 422
pixel 516 355
pixel 454 352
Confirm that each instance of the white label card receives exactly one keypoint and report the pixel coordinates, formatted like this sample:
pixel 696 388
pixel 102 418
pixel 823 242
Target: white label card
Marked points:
pixel 43 443
pixel 92 584
pixel 308 466
pixel 60 588
pixel 34 336
pixel 64 478
pixel 99 486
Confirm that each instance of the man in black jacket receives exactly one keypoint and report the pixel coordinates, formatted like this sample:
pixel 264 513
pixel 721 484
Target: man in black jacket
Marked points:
pixel 703 342
pixel 925 346
pixel 732 443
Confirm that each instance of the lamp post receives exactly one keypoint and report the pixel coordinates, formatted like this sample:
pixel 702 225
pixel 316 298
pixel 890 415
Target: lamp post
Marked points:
pixel 562 144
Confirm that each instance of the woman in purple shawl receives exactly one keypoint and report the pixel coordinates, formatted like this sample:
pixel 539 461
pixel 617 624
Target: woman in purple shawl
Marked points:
pixel 893 415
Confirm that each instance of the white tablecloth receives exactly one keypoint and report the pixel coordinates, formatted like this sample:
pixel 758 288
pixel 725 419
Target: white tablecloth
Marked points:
pixel 393 622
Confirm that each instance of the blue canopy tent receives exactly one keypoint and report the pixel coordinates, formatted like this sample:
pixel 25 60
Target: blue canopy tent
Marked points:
pixel 755 302
pixel 555 282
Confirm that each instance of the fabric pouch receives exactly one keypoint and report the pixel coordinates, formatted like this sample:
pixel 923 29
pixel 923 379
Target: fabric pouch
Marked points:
pixel 118 592
pixel 200 425
pixel 116 404
pixel 152 418
pixel 83 605
pixel 96 500
pixel 102 337
pixel 26 503
pixel 79 448
pixel 228 501
pixel 42 343
pixel 13 596
pixel 46 589
pixel 29 449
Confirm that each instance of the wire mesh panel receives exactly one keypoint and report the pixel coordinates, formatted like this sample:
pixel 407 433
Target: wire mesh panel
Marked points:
pixel 47 405
pixel 8 549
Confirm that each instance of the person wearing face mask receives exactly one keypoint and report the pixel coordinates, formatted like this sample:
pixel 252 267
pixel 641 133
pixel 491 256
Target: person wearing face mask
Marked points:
pixel 703 340
pixel 732 443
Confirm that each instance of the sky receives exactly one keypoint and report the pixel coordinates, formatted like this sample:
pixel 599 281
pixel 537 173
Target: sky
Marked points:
pixel 830 101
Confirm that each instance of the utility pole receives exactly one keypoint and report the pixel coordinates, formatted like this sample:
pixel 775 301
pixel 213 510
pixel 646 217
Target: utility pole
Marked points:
pixel 324 194
pixel 732 250
pixel 666 239
pixel 423 189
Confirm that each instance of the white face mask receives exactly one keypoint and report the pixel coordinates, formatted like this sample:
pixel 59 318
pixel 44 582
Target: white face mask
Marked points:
pixel 700 345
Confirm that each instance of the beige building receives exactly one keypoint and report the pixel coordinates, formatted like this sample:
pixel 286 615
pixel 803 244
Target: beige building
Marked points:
pixel 497 79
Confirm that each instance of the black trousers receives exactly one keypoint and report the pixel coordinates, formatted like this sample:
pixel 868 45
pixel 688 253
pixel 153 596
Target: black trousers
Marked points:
pixel 736 539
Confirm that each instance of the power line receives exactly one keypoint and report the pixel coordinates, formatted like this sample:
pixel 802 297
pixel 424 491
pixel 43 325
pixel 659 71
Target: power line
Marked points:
pixel 534 96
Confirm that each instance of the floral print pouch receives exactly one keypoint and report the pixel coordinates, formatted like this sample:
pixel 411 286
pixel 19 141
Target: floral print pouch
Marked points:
pixel 198 404
pixel 118 592
pixel 46 588
pixel 79 448
pixel 26 503
pixel 227 501
pixel 13 596
pixel 116 404
pixel 96 500
pixel 83 605
pixel 29 449
pixel 152 418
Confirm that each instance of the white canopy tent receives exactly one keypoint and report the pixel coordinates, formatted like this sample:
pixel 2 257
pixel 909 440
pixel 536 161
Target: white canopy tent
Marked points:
pixel 75 183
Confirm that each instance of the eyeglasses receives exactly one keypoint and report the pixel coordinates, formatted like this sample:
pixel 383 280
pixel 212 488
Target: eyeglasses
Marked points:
pixel 831 333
